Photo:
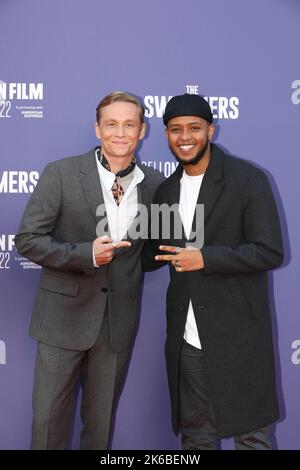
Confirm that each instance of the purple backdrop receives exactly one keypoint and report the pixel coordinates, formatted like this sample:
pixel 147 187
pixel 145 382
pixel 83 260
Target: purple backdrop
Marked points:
pixel 67 55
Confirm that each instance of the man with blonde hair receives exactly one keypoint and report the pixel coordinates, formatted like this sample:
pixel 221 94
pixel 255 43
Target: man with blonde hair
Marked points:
pixel 76 226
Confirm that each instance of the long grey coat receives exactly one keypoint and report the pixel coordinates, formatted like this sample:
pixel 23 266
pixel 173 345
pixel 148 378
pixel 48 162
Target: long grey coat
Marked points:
pixel 57 231
pixel 230 295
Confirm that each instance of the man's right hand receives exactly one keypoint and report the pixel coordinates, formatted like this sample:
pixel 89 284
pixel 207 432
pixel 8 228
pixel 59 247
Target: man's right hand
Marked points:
pixel 104 247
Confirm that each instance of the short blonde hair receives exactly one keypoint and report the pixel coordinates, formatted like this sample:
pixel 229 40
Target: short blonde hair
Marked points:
pixel 120 96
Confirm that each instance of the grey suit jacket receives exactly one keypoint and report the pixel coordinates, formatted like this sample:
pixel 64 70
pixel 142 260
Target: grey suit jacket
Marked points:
pixel 57 231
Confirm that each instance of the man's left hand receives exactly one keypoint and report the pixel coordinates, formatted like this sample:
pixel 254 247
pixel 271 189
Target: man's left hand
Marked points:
pixel 183 259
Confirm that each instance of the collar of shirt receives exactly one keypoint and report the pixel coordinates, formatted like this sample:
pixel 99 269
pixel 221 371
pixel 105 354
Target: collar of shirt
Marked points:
pixel 107 178
pixel 191 179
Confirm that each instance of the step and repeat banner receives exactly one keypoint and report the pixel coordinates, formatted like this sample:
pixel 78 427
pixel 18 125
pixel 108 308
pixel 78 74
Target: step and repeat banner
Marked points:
pixel 58 59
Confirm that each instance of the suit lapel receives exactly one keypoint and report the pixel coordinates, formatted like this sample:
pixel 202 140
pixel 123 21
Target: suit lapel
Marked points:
pixel 143 192
pixel 143 198
pixel 173 197
pixel 212 183
pixel 91 186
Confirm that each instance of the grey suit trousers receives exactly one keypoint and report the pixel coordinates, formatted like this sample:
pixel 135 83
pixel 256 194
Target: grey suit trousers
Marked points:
pixel 101 373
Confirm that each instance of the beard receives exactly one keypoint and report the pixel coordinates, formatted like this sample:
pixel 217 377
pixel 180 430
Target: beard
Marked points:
pixel 194 160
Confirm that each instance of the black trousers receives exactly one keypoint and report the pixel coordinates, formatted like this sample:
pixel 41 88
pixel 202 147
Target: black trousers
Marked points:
pixel 196 422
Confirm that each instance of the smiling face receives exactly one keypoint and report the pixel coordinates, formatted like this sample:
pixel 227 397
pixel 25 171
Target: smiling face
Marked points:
pixel 119 129
pixel 189 138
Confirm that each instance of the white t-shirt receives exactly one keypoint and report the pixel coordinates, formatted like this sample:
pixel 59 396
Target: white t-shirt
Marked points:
pixel 189 192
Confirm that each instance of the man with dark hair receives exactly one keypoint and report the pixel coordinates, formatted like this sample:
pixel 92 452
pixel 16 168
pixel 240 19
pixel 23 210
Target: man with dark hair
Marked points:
pixel 85 313
pixel 219 349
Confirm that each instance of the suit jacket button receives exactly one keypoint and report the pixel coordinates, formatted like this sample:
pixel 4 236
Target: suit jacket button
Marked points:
pixel 201 307
pixel 104 289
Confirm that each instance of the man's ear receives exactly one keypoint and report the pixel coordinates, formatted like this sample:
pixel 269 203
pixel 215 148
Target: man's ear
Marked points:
pixel 143 131
pixel 97 130
pixel 211 131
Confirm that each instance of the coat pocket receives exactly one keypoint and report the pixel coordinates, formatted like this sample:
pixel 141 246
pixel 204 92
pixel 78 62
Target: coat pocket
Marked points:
pixel 60 285
pixel 241 303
